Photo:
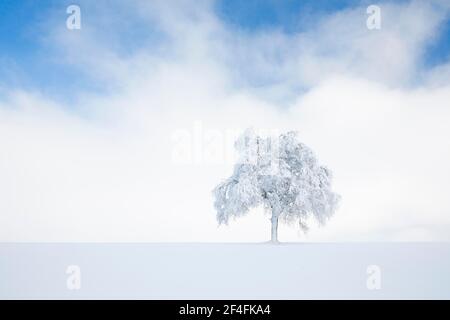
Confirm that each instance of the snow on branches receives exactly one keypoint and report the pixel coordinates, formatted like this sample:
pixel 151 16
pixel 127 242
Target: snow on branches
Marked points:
pixel 280 173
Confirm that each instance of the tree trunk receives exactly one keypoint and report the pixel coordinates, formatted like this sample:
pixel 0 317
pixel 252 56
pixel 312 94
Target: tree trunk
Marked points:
pixel 274 234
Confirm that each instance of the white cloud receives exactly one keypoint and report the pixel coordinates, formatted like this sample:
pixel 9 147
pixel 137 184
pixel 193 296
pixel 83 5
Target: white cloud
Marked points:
pixel 101 170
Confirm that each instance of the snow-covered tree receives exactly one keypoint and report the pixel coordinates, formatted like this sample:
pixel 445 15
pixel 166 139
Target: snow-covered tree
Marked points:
pixel 281 174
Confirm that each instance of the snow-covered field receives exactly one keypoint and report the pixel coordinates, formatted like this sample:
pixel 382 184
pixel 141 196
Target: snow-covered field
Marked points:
pixel 226 271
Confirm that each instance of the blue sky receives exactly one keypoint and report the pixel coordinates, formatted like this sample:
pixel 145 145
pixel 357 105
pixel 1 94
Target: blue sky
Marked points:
pixel 27 61
pixel 295 15
pixel 24 55
pixel 88 117
pixel 288 15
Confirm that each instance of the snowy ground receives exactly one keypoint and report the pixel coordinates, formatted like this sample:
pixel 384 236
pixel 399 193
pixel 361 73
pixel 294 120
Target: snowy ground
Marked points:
pixel 226 271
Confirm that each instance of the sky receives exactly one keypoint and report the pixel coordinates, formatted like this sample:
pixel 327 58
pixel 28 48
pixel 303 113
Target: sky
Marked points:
pixel 24 49
pixel 119 131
